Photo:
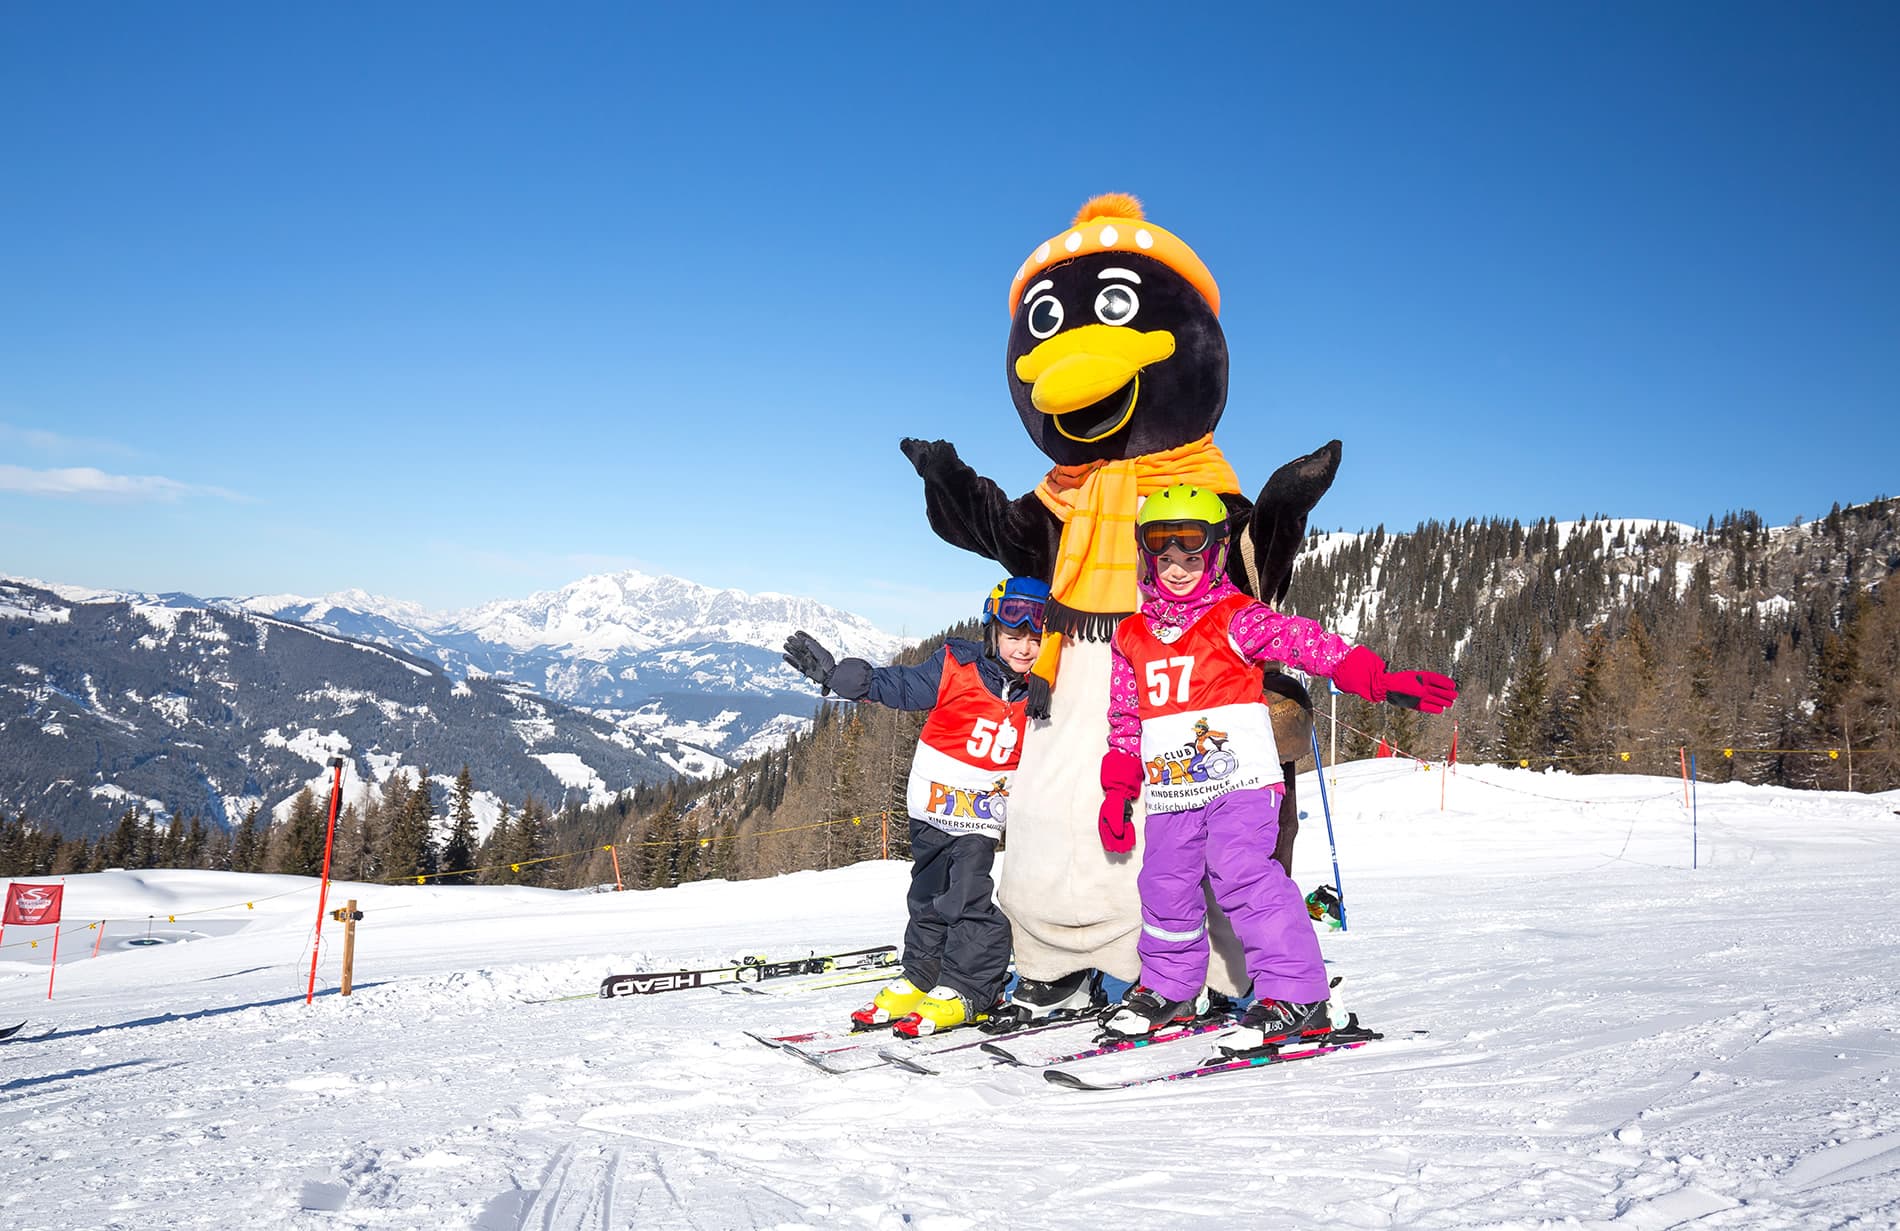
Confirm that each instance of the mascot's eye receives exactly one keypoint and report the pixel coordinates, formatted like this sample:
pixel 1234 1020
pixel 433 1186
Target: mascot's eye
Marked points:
pixel 1045 316
pixel 1116 305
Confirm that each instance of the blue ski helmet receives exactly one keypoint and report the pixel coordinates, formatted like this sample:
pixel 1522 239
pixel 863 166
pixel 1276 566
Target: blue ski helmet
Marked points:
pixel 1016 602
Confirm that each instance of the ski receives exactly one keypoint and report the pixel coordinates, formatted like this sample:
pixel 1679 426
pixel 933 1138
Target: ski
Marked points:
pixel 748 970
pixel 12 1034
pixel 1339 1040
pixel 752 960
pixel 818 1060
pixel 809 1045
pixel 1109 1047
pixel 992 1029
pixel 10 1031
pixel 848 979
pixel 890 1055
pixel 831 1059
pixel 847 1040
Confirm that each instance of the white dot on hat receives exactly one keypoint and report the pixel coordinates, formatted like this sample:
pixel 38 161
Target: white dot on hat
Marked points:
pixel 1042 253
pixel 1109 236
pixel 1074 241
pixel 1022 271
pixel 1143 239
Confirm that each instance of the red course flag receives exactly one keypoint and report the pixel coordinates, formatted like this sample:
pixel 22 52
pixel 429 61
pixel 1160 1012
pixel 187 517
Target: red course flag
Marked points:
pixel 32 905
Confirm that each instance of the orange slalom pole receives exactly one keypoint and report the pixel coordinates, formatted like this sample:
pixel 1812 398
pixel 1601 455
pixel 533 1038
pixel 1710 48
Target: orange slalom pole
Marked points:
pixel 616 854
pixel 55 969
pixel 323 893
pixel 1683 755
pixel 99 939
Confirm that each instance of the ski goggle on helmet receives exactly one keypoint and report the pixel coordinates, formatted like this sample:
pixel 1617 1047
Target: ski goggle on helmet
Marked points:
pixel 1017 602
pixel 1193 519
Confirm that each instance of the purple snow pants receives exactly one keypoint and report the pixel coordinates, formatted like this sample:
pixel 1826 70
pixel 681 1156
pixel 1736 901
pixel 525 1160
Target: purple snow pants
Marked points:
pixel 1230 841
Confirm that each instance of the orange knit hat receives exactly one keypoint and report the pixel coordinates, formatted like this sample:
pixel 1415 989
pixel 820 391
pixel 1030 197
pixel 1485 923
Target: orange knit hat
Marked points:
pixel 1113 222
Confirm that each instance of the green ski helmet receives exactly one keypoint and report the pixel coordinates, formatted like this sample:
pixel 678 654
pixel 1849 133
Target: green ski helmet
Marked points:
pixel 1191 518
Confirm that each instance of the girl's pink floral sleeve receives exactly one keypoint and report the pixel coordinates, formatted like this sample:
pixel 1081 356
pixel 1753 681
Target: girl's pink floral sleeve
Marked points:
pixel 1262 634
pixel 1124 705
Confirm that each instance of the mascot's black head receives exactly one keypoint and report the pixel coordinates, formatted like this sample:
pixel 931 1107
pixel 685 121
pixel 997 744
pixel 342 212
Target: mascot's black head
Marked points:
pixel 1115 345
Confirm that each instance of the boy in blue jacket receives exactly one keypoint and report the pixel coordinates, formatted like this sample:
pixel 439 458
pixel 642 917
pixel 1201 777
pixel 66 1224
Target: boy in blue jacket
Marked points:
pixel 957 944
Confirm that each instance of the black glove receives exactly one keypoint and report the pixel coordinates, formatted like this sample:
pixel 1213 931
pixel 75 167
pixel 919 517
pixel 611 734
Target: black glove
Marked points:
pixel 928 456
pixel 811 660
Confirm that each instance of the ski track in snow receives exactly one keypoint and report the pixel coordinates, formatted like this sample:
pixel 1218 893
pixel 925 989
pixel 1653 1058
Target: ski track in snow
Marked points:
pixel 1613 1042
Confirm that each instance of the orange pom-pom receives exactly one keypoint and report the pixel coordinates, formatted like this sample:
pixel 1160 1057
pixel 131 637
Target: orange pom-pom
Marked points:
pixel 1110 205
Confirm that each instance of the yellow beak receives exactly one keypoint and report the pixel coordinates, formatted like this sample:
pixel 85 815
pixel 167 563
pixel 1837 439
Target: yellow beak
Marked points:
pixel 1079 367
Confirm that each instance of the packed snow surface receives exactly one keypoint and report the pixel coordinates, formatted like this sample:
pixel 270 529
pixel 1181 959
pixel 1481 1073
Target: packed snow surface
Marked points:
pixel 1582 1031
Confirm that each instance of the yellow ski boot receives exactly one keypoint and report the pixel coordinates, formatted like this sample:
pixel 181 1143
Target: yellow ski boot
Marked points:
pixel 892 1003
pixel 941 1010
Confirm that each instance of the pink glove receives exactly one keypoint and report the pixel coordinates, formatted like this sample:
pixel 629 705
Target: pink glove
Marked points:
pixel 1362 673
pixel 1121 785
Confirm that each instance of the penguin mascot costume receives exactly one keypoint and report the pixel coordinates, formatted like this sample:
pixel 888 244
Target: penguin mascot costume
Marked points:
pixel 1118 369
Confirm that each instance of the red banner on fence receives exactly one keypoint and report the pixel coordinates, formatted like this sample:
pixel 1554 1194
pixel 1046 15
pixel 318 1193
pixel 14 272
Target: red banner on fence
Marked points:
pixel 31 905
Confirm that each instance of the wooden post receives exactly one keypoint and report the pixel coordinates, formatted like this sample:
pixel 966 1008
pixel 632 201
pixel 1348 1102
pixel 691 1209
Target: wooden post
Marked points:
pixel 884 835
pixel 349 915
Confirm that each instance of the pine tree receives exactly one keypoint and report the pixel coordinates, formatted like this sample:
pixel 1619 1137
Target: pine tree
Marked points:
pixel 71 858
pixel 1527 708
pixel 1581 728
pixel 657 845
pixel 196 845
pixel 527 843
pixel 120 848
pixel 298 842
pixel 16 854
pixel 244 850
pixel 143 848
pixel 171 848
pixel 408 840
pixel 459 853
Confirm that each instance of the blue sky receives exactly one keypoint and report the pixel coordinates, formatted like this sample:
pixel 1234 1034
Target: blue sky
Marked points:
pixel 454 303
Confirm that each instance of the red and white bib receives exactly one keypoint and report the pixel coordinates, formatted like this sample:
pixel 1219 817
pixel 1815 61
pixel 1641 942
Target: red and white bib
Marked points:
pixel 973 739
pixel 1204 729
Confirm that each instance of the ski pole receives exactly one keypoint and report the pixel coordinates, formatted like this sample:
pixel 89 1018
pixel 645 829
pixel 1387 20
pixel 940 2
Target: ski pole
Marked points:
pixel 1319 772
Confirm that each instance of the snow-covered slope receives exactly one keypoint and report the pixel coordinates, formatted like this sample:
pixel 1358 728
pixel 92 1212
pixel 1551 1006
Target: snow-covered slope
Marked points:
pixel 1612 1040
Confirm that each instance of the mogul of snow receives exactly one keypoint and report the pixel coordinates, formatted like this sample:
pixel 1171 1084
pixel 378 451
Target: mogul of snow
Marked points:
pixel 1117 367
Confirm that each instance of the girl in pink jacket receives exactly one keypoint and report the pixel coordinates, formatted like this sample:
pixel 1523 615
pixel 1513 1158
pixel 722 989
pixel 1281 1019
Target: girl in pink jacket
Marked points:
pixel 1187 721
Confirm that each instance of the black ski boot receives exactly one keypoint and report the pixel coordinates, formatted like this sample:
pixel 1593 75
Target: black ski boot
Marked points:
pixel 1275 1023
pixel 1144 1010
pixel 1032 1000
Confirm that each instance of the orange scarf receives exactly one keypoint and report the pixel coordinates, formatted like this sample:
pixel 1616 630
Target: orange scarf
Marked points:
pixel 1096 557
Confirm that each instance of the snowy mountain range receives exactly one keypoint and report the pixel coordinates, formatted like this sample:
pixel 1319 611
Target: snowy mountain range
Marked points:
pixel 179 707
pixel 658 655
pixel 175 703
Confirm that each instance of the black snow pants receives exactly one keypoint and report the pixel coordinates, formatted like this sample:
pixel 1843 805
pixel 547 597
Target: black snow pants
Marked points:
pixel 957 935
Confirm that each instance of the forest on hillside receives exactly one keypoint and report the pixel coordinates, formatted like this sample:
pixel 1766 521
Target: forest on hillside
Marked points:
pixel 1598 646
